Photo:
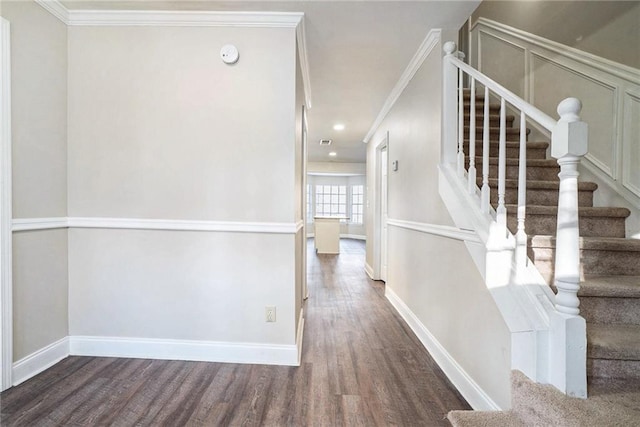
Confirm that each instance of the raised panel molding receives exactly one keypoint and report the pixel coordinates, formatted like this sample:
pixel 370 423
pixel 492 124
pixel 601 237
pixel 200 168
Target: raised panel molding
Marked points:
pixel 631 143
pixel 611 139
pixel 621 85
pixel 483 38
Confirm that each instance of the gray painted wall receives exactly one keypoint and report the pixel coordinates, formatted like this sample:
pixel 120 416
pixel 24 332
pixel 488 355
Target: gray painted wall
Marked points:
pixel 39 138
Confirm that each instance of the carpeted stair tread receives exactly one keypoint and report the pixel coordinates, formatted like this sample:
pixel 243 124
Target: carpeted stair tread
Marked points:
pixel 511 144
pixel 484 419
pixel 540 185
pixel 495 130
pixel 612 341
pixel 591 243
pixel 583 211
pixel 510 161
pixel 610 286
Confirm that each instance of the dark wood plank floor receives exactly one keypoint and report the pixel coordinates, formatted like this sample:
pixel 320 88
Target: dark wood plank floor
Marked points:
pixel 361 366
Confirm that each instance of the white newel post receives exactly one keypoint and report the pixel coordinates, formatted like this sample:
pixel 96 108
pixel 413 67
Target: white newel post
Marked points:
pixel 449 148
pixel 568 330
pixel 568 145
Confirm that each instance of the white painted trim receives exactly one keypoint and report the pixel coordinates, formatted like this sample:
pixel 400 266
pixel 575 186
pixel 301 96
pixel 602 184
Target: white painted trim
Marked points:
pixel 470 390
pixel 353 236
pixel 369 270
pixel 300 335
pixel 26 224
pixel 201 351
pixel 602 64
pixel 6 280
pixel 427 46
pixel 301 36
pixel 437 230
pixel 43 359
pixel 183 18
pixel 55 8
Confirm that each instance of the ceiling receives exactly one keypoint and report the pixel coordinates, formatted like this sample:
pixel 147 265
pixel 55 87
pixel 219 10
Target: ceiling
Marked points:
pixel 357 52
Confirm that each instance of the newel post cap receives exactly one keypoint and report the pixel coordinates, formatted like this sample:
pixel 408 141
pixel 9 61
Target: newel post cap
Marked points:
pixel 570 136
pixel 449 48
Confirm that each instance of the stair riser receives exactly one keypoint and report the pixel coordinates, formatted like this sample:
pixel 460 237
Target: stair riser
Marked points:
pixel 610 310
pixel 613 368
pixel 493 108
pixel 536 173
pixel 542 198
pixel 593 262
pixel 494 121
pixel 511 152
pixel 510 135
pixel 589 226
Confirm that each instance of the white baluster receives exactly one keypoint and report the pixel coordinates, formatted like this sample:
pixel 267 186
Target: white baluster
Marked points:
pixel 501 211
pixel 472 138
pixel 568 145
pixel 486 192
pixel 460 125
pixel 521 235
pixel 449 147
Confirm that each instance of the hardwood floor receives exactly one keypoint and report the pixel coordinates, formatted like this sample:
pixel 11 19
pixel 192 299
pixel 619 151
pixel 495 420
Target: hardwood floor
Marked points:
pixel 361 366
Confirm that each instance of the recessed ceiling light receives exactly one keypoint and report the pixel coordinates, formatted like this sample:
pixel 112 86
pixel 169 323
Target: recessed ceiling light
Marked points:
pixel 338 126
pixel 333 154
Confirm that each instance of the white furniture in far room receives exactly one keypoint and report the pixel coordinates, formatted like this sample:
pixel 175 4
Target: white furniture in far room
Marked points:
pixel 327 234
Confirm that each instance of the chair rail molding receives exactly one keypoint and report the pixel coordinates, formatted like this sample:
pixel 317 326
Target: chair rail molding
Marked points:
pixel 437 230
pixel 30 224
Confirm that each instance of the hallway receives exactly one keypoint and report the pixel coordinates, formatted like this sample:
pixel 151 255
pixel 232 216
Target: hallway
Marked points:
pixel 361 365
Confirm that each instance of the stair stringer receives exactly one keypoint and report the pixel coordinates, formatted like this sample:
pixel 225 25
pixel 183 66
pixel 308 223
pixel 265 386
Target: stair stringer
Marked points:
pixel 540 335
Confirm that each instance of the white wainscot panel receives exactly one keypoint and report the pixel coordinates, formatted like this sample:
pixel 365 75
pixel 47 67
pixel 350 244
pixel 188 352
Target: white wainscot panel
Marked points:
pixel 631 143
pixel 503 61
pixel 552 82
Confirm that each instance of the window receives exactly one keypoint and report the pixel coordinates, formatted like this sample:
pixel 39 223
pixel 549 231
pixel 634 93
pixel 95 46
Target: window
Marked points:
pixel 331 200
pixel 357 204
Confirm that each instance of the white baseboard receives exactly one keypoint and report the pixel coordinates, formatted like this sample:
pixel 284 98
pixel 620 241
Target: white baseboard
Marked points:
pixel 342 236
pixel 40 360
pixel 369 270
pixel 353 236
pixel 470 390
pixel 201 351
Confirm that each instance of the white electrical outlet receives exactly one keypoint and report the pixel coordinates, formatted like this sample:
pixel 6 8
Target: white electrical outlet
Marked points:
pixel 270 313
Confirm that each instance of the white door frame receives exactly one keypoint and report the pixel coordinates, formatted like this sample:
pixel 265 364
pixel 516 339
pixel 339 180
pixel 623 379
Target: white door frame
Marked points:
pixel 305 289
pixel 6 215
pixel 377 208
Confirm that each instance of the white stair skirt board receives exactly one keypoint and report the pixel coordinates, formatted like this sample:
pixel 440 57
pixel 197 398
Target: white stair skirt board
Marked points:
pixel 40 360
pixel 470 390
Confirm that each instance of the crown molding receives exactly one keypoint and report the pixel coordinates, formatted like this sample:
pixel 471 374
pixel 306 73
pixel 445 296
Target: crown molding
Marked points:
pixel 55 8
pixel 190 19
pixel 424 50
pixel 184 18
pixel 304 61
